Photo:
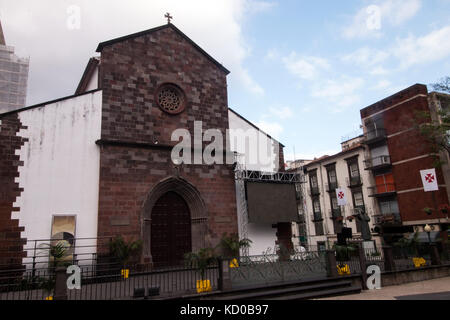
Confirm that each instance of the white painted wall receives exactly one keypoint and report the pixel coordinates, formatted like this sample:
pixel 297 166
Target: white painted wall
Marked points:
pixel 60 174
pixel 260 153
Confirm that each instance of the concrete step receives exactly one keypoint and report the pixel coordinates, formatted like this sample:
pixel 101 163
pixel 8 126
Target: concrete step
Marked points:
pixel 268 292
pixel 318 294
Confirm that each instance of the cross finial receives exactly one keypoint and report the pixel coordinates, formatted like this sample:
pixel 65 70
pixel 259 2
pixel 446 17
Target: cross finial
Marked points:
pixel 168 16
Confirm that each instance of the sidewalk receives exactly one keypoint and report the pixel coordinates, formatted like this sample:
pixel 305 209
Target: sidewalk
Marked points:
pixel 404 291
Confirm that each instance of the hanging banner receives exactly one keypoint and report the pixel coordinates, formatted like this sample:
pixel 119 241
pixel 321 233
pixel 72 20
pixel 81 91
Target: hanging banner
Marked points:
pixel 429 180
pixel 341 197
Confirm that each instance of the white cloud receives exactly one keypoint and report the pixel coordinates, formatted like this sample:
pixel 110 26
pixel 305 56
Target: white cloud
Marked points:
pixel 379 71
pixel 372 20
pixel 282 112
pixel 305 67
pixel 341 94
pixel 382 84
pixel 400 11
pixel 272 128
pixel 366 57
pixel 414 50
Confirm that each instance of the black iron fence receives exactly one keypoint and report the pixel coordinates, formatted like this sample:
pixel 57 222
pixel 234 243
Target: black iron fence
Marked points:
pixel 103 277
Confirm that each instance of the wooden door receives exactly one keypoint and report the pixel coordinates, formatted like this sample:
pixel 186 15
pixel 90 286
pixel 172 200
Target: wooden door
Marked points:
pixel 170 230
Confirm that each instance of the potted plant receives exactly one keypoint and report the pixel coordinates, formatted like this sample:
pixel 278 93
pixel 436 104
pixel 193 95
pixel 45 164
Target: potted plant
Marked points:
pixel 444 208
pixel 230 246
pixel 124 252
pixel 56 253
pixel 201 260
pixel 428 211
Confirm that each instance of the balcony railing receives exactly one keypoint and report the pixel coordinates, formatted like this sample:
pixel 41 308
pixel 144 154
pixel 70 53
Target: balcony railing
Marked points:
pixel 392 218
pixel 382 190
pixel 358 209
pixel 374 135
pixel 332 186
pixel 335 213
pixel 377 162
pixel 354 181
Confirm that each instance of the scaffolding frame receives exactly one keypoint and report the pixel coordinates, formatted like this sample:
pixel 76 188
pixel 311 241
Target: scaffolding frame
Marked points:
pixel 242 175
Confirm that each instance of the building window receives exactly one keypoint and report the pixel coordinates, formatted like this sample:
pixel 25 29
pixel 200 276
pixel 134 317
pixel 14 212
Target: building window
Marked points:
pixel 354 169
pixel 334 203
pixel 389 207
pixel 316 205
pixel 171 98
pixel 313 181
pixel 318 226
pixel 332 179
pixel 358 199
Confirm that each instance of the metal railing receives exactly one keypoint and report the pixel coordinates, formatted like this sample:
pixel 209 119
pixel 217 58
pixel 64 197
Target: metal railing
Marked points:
pixel 335 213
pixel 375 135
pixel 377 162
pixel 392 218
pixel 332 186
pixel 353 181
pixel 381 189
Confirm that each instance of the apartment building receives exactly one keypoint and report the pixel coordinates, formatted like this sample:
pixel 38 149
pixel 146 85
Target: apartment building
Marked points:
pixel 396 153
pixel 322 218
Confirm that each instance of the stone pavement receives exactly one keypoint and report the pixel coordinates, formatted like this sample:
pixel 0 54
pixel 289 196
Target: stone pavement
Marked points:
pixel 410 291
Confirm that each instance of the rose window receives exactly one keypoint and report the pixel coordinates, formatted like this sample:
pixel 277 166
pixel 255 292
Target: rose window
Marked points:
pixel 171 98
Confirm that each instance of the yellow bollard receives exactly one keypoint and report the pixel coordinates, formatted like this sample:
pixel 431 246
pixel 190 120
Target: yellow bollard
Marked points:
pixel 203 286
pixel 234 263
pixel 125 273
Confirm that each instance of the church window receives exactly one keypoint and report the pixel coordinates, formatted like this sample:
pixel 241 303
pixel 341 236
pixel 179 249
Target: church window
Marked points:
pixel 171 98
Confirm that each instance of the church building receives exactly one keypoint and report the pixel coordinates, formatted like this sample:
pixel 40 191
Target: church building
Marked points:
pixel 99 163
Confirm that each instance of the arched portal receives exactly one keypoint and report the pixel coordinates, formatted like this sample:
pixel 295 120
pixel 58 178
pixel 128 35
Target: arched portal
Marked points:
pixel 170 230
pixel 176 188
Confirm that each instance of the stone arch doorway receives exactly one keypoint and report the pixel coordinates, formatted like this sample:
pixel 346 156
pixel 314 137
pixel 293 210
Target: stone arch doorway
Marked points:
pixel 198 215
pixel 170 230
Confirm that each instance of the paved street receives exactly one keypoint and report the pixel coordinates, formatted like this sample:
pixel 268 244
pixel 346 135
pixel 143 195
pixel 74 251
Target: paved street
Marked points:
pixel 436 289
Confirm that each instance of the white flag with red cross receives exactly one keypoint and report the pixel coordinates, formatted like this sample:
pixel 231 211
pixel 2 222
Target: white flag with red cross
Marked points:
pixel 341 197
pixel 429 180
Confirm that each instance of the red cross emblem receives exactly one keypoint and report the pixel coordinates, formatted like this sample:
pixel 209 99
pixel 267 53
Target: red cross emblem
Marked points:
pixel 429 178
pixel 341 195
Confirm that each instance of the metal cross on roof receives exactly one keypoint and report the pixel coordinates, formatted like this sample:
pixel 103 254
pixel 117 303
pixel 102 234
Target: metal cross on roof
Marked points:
pixel 168 16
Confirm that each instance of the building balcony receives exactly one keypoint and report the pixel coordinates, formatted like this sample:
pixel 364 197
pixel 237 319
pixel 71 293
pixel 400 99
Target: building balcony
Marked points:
pixel 335 213
pixel 377 163
pixel 358 209
pixel 382 190
pixel 353 182
pixel 373 136
pixel 388 219
pixel 314 191
pixel 331 187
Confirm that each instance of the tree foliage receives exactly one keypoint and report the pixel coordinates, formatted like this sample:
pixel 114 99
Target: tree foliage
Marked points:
pixel 435 130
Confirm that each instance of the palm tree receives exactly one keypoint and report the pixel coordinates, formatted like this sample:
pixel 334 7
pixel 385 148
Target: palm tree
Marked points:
pixel 230 245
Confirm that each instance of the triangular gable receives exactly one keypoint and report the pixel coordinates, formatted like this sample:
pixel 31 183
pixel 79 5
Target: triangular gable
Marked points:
pixel 149 31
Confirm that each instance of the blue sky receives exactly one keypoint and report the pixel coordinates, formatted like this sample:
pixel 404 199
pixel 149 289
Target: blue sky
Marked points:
pixel 318 65
pixel 301 70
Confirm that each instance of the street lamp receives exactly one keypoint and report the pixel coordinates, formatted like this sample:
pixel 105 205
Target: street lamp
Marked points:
pixel 428 229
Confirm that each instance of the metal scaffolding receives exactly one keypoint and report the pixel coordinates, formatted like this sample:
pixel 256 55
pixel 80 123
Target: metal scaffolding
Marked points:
pixel 242 176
